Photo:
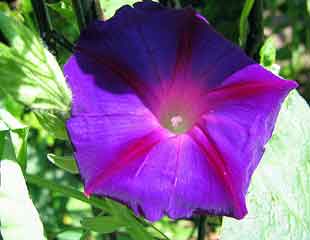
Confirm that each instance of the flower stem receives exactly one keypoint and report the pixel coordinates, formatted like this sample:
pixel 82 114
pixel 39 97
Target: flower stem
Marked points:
pixel 202 228
pixel 79 13
pixel 256 35
pixel 85 11
pixel 44 22
pixel 112 236
pixel 61 40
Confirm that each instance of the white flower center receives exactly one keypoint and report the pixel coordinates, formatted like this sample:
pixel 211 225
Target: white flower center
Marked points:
pixel 176 121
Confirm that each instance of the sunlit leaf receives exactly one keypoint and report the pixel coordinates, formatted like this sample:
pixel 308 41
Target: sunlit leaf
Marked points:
pixel 268 53
pixel 32 76
pixel 18 216
pixel 67 162
pixel 14 138
pixel 279 196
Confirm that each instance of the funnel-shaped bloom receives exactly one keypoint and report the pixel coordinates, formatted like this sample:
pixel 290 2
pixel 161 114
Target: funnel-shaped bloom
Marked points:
pixel 168 116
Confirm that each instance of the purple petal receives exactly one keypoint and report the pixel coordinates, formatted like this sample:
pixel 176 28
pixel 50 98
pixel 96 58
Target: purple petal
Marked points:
pixel 202 18
pixel 99 91
pixel 214 58
pixel 238 123
pixel 145 185
pixel 251 85
pixel 159 52
pixel 174 178
pixel 106 144
pixel 139 45
pixel 233 204
pixel 197 185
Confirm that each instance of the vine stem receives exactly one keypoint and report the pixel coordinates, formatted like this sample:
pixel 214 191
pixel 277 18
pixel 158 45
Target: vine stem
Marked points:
pixel 202 228
pixel 44 22
pixel 256 34
pixel 80 13
pixel 85 11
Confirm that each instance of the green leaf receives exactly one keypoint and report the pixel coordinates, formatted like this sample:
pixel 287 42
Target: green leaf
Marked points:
pixel 138 232
pixel 135 227
pixel 15 108
pixel 117 210
pixel 53 122
pixel 10 122
pixel 32 76
pixel 103 224
pixel 279 197
pixel 243 25
pixel 67 163
pixel 268 53
pixel 109 224
pixel 4 7
pixel 64 8
pixel 13 139
pixel 18 216
pixel 6 146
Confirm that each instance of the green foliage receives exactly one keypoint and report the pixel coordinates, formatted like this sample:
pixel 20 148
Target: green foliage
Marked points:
pixel 29 72
pixel 65 23
pixel 53 122
pixel 119 212
pixel 31 75
pixel 224 16
pixel 65 11
pixel 279 197
pixel 13 139
pixel 135 228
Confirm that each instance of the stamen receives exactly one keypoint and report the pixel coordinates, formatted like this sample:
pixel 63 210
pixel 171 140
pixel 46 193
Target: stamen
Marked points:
pixel 176 121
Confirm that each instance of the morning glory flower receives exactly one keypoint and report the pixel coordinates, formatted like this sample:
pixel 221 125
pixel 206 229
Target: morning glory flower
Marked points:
pixel 169 117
